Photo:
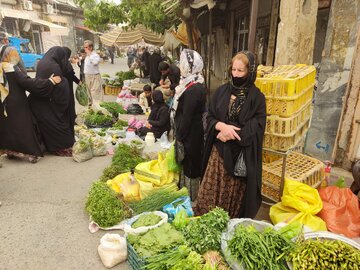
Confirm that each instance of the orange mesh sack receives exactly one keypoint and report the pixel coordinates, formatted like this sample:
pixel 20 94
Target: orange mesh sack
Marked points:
pixel 341 211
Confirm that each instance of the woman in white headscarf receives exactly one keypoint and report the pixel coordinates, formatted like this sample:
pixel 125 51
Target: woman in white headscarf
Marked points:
pixel 186 112
pixel 18 136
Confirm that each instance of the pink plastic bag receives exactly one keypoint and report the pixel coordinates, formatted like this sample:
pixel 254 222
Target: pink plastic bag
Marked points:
pixel 341 211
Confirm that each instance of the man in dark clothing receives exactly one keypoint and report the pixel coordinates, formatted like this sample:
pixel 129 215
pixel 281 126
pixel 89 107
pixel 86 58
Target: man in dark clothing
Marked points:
pixel 81 64
pixel 169 71
pixel 112 54
pixel 154 60
pixel 145 64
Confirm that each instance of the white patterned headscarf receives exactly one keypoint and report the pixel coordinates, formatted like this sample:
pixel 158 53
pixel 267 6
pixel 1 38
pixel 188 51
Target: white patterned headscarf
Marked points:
pixel 191 66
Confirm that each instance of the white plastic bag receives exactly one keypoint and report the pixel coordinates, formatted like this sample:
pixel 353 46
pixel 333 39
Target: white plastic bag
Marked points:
pixel 98 147
pixel 164 141
pixel 112 249
pixel 226 236
pixel 81 151
pixel 129 230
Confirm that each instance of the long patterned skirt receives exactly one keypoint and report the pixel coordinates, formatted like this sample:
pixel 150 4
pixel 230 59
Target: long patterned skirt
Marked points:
pixel 218 188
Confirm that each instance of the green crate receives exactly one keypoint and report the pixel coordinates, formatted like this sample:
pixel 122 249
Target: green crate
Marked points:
pixel 135 261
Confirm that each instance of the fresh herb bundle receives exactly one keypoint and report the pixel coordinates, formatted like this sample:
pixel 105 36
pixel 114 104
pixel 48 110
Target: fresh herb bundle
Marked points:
pixel 204 233
pixel 104 207
pixel 157 199
pixel 97 118
pixel 120 124
pixel 146 220
pixel 113 107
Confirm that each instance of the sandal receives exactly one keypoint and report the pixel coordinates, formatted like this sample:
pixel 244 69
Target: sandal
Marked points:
pixel 33 160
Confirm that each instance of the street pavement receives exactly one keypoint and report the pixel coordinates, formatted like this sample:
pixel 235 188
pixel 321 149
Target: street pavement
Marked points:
pixel 43 224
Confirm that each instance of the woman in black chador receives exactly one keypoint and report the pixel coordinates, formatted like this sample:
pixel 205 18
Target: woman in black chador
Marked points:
pixel 18 133
pixel 235 124
pixel 53 114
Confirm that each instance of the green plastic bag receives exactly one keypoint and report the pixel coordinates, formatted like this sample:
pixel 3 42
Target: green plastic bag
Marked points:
pixel 82 95
pixel 173 166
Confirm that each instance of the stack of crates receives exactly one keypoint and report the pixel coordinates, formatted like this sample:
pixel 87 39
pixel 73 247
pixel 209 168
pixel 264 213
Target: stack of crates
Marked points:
pixel 288 90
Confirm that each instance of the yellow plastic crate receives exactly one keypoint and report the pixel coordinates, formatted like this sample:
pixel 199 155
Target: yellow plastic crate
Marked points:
pixel 299 167
pixel 285 142
pixel 285 81
pixel 285 106
pixel 276 125
pixel 112 90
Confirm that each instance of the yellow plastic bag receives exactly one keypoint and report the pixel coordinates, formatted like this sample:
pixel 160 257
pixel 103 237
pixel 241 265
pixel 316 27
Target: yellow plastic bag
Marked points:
pixel 115 183
pixel 300 203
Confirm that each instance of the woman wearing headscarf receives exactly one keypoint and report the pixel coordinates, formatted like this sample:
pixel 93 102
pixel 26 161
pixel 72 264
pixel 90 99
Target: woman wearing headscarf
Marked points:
pixel 186 111
pixel 159 118
pixel 18 133
pixel 235 125
pixel 53 113
pixel 69 74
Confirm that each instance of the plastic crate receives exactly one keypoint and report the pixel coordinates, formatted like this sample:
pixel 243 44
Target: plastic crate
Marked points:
pixel 112 90
pixel 288 106
pixel 285 81
pixel 285 142
pixel 299 167
pixel 135 261
pixel 276 125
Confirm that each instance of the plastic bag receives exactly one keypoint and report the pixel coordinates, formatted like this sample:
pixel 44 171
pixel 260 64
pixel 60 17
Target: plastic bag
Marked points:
pixel 115 183
pixel 164 141
pixel 240 166
pixel 130 189
pixel 82 95
pixel 129 230
pixel 98 147
pixel 81 151
pixel 176 206
pixel 112 250
pixel 171 160
pixel 301 203
pixel 340 211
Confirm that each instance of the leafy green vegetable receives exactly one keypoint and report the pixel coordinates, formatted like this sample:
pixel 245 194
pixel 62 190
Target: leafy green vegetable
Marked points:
pixel 146 220
pixel 125 75
pixel 104 207
pixel 155 241
pixel 97 118
pixel 181 219
pixel 120 124
pixel 204 233
pixel 259 250
pixel 125 159
pixel 157 199
pixel 113 107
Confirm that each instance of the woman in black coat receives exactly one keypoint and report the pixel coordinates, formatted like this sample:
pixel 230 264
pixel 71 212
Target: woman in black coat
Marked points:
pixel 18 132
pixel 53 114
pixel 159 118
pixel 187 111
pixel 235 125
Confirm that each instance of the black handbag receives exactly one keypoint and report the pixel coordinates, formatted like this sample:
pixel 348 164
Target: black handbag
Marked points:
pixel 240 166
pixel 179 151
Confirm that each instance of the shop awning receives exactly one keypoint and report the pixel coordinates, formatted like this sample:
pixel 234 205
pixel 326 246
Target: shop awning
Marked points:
pixel 122 37
pixel 55 29
pixel 14 13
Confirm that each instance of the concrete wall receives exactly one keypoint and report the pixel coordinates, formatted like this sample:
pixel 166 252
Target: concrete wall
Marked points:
pixel 335 68
pixel 296 32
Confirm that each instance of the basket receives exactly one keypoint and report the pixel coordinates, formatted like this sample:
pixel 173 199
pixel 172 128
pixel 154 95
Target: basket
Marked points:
pixel 276 125
pixel 136 262
pixel 288 141
pixel 286 80
pixel 287 106
pixel 299 167
pixel 112 90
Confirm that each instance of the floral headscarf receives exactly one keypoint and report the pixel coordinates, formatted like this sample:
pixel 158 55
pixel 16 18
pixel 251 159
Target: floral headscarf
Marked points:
pixel 191 66
pixel 10 59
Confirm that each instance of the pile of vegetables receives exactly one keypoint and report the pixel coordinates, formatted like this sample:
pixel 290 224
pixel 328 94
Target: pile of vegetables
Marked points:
pixel 104 207
pixel 113 107
pixel 181 258
pixel 115 83
pixel 119 124
pixel 125 75
pixel 124 160
pixel 97 118
pixel 204 233
pixel 259 250
pixel 324 254
pixel 146 220
pixel 155 241
pixel 157 199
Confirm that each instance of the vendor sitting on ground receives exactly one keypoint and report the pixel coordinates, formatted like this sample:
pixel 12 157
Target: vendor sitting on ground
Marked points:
pixel 159 118
pixel 145 99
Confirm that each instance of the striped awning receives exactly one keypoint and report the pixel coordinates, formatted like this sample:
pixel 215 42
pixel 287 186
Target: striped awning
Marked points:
pixel 123 37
